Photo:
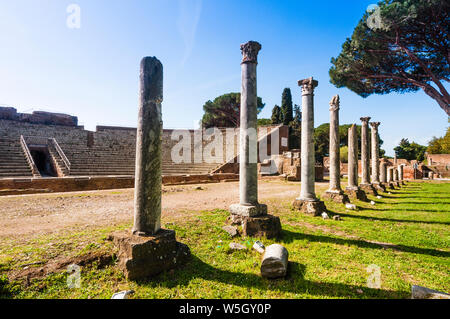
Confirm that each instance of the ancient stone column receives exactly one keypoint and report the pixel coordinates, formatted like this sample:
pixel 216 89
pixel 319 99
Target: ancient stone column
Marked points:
pixel 335 192
pixel 149 250
pixel 376 157
pixel 390 177
pixel 308 202
pixel 400 174
pixel 365 158
pixel 396 175
pixel 249 212
pixel 352 188
pixel 383 172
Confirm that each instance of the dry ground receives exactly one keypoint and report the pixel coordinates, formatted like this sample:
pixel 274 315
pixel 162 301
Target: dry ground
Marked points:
pixel 29 215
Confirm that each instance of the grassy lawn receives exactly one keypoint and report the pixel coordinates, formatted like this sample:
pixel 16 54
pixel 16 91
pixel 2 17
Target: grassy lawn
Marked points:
pixel 406 234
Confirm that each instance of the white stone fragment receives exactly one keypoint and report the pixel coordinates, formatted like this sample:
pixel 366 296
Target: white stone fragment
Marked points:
pixel 259 247
pixel 325 216
pixel 350 206
pixel 123 294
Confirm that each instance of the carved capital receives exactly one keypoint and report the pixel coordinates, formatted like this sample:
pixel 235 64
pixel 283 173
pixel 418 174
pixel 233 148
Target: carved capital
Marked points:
pixel 335 103
pixel 308 85
pixel 365 120
pixel 375 125
pixel 250 52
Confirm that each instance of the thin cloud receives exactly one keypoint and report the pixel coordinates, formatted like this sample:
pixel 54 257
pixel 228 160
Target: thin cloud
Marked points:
pixel 188 18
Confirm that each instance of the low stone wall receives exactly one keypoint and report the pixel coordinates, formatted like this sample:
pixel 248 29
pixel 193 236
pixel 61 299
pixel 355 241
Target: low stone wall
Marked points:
pixel 17 186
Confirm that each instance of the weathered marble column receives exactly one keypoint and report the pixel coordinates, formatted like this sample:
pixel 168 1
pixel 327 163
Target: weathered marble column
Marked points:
pixel 149 250
pixel 400 174
pixel 365 158
pixel 335 192
pixel 308 202
pixel 396 175
pixel 148 179
pixel 390 177
pixel 383 172
pixel 375 145
pixel 352 188
pixel 249 212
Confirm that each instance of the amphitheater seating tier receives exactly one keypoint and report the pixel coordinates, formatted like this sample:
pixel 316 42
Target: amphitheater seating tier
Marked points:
pixel 12 159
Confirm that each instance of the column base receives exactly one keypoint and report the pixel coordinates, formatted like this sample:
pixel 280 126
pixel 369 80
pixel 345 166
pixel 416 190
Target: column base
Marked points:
pixel 313 207
pixel 397 184
pixel 248 211
pixel 356 193
pixel 369 189
pixel 337 197
pixel 142 257
pixel 379 187
pixel 391 185
pixel 268 226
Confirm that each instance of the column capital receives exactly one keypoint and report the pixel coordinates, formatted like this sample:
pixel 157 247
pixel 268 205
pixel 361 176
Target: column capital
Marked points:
pixel 250 52
pixel 365 120
pixel 308 85
pixel 335 103
pixel 375 124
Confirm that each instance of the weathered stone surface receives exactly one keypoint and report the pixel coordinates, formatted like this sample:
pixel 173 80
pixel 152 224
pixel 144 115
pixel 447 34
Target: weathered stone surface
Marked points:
pixel 141 257
pixel 379 187
pixel 268 226
pixel 418 292
pixel 123 294
pixel 231 230
pixel 248 210
pixel 325 216
pixel 368 189
pixel 337 197
pixel 350 206
pixel 314 207
pixel 274 262
pixel 356 193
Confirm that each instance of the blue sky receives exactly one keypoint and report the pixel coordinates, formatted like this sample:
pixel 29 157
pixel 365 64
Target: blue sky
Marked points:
pixel 92 72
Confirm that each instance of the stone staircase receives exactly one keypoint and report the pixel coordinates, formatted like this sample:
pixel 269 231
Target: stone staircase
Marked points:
pixel 13 162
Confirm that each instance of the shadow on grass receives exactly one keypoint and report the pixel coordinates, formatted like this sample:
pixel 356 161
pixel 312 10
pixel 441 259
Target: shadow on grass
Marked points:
pixel 289 237
pixel 294 282
pixel 394 219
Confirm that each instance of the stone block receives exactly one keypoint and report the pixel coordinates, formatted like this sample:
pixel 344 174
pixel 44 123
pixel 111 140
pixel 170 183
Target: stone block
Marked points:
pixel 142 257
pixel 368 189
pixel 268 226
pixel 356 193
pixel 315 207
pixel 248 211
pixel 336 197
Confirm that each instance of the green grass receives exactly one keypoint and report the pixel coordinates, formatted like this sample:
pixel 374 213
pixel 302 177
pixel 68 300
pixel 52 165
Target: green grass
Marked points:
pixel 328 259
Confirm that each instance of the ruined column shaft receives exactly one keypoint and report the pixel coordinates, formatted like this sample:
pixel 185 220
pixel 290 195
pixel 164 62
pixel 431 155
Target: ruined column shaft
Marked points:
pixel 375 153
pixel 383 172
pixel 390 176
pixel 248 181
pixel 365 151
pixel 335 163
pixel 352 158
pixel 307 191
pixel 400 172
pixel 148 180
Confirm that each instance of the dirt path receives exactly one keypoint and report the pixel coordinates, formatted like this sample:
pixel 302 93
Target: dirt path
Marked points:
pixel 29 215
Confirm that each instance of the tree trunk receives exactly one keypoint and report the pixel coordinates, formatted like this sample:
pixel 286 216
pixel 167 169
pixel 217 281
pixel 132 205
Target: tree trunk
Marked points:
pixel 440 99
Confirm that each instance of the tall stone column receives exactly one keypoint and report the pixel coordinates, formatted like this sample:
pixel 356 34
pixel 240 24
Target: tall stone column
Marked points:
pixel 335 192
pixel 149 250
pixel 400 174
pixel 352 188
pixel 365 158
pixel 308 202
pixel 390 177
pixel 376 157
pixel 249 212
pixel 396 176
pixel 383 172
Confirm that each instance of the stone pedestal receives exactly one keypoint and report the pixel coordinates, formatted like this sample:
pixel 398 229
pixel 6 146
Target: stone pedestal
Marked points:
pixel 369 189
pixel 379 187
pixel 337 197
pixel 268 226
pixel 356 193
pixel 312 207
pixel 141 257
